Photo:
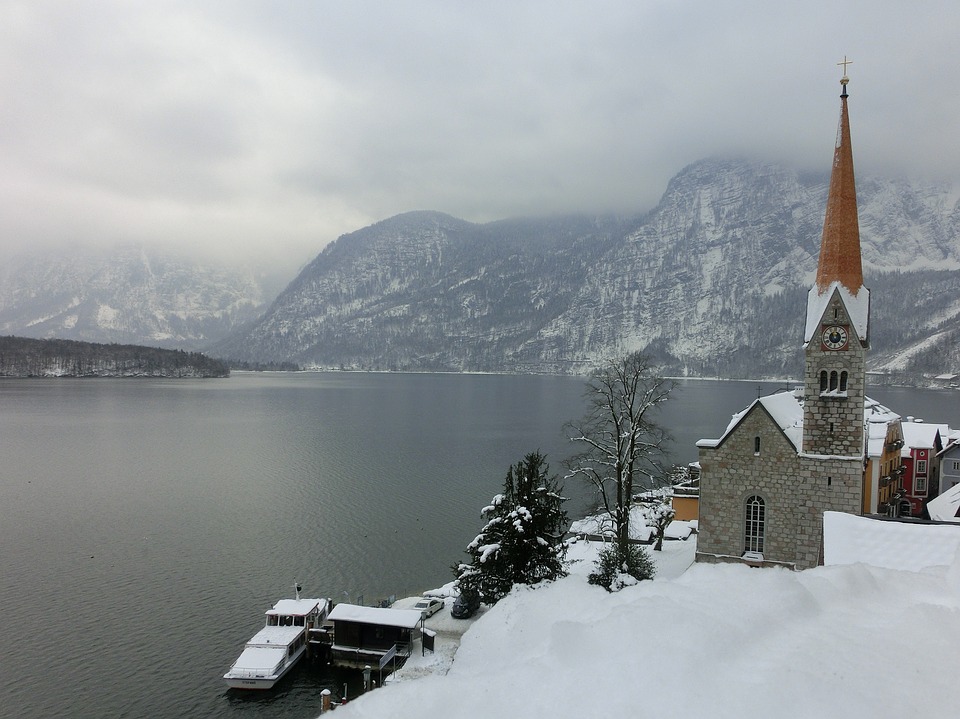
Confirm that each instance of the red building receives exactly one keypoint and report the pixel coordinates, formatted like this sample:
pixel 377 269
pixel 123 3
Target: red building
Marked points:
pixel 921 444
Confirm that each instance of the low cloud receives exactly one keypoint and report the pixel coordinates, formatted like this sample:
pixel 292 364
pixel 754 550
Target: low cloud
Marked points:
pixel 260 130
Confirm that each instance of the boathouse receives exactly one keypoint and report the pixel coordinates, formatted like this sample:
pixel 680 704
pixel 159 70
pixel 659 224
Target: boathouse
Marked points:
pixel 364 635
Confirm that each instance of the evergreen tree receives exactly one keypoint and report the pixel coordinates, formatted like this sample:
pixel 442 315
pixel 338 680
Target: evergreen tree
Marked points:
pixel 522 542
pixel 618 567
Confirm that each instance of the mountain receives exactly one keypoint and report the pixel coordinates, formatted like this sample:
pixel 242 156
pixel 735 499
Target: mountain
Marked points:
pixel 130 295
pixel 711 282
pixel 425 290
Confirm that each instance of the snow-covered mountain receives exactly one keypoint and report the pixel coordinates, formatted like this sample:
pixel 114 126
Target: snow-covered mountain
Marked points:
pixel 132 295
pixel 711 282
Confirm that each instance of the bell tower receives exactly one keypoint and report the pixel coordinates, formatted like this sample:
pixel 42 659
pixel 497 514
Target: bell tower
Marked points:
pixel 836 338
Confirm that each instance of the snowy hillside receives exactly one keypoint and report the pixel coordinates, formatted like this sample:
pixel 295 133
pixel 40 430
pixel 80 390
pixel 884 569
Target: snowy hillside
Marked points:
pixel 712 282
pixel 711 641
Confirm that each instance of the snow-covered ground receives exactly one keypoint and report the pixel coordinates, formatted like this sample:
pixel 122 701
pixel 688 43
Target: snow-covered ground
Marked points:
pixel 701 640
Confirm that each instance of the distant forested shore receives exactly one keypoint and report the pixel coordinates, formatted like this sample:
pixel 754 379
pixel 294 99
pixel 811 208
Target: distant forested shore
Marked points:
pixel 25 357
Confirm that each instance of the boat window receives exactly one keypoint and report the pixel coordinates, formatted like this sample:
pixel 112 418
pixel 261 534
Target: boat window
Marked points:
pixel 298 621
pixel 272 620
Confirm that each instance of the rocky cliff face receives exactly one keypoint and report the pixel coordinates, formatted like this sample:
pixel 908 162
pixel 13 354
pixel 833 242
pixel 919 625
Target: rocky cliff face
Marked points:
pixel 712 282
pixel 127 296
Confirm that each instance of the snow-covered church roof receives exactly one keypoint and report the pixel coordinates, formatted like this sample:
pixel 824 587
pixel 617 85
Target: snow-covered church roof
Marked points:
pixel 786 410
pixel 783 407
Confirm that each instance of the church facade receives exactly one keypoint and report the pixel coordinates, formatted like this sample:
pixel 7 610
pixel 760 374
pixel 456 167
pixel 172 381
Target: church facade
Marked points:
pixel 789 457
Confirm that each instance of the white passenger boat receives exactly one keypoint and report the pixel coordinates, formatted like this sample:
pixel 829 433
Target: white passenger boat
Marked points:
pixel 274 650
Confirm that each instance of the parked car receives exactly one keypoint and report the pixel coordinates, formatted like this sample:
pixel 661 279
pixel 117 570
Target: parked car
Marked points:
pixel 429 606
pixel 465 605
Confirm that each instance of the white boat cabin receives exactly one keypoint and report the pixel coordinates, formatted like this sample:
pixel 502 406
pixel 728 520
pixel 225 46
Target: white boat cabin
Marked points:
pixel 272 651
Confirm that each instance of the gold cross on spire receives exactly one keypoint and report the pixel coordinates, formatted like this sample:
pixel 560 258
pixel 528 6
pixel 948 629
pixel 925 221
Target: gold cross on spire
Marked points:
pixel 844 80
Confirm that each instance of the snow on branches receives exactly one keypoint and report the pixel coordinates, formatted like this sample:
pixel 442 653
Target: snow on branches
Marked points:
pixel 521 542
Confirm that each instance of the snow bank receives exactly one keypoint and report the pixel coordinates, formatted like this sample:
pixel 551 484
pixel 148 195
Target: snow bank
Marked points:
pixel 716 641
pixel 848 539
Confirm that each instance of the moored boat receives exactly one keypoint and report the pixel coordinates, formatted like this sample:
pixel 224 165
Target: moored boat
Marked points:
pixel 276 648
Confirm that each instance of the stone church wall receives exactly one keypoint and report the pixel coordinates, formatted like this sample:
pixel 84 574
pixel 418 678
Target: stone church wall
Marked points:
pixel 794 488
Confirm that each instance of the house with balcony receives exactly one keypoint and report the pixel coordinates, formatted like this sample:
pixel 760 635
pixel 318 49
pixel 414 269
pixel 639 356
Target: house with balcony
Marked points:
pixel 884 468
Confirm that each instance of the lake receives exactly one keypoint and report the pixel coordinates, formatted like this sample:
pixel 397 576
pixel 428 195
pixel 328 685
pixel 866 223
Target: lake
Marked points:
pixel 145 525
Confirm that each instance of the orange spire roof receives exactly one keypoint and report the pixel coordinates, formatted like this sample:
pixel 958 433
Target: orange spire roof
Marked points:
pixel 840 246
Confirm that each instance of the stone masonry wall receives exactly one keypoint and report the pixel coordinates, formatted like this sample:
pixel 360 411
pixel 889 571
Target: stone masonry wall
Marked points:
pixel 833 421
pixel 796 491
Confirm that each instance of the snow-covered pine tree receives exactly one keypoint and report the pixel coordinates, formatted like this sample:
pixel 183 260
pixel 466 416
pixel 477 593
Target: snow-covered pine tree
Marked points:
pixel 522 542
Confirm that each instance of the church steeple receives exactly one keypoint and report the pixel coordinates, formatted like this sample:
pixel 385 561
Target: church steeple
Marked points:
pixel 837 334
pixel 840 267
pixel 840 245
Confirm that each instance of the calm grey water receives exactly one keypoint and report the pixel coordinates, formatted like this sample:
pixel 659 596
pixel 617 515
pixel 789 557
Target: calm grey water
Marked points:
pixel 145 525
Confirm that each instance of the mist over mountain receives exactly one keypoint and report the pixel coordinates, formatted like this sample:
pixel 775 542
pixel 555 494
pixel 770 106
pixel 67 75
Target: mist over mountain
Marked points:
pixel 130 295
pixel 712 282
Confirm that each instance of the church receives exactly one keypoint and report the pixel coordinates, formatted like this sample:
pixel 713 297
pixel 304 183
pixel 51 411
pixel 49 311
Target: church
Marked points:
pixel 790 456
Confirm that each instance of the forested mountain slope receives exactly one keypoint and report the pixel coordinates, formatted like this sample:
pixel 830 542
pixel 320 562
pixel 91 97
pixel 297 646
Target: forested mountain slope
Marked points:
pixel 28 357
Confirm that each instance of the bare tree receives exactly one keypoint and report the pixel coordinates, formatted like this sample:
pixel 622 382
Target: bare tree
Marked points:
pixel 658 512
pixel 618 435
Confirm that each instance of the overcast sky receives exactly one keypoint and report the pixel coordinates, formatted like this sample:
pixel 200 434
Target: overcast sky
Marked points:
pixel 267 129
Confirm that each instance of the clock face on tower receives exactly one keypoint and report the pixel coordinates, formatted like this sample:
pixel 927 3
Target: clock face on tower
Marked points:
pixel 834 337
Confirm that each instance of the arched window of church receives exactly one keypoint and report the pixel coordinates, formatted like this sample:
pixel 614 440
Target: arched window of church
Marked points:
pixel 833 380
pixel 754 522
pixel 756 444
pixel 823 380
pixel 843 381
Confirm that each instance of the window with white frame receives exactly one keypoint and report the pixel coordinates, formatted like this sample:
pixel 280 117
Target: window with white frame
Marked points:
pixel 921 466
pixel 754 524
pixel 956 465
pixel 920 486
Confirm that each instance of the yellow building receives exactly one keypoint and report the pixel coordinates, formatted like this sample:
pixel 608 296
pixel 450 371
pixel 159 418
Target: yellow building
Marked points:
pixel 884 468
